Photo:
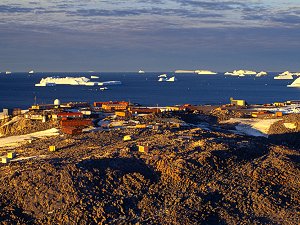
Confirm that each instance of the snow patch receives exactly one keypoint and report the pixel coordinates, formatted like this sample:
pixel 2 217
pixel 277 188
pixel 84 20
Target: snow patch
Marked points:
pixel 290 125
pixel 14 141
pixel 13 120
pixel 252 127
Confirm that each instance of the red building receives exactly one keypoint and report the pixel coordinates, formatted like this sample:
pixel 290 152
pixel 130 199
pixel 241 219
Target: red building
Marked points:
pixel 76 123
pixel 67 115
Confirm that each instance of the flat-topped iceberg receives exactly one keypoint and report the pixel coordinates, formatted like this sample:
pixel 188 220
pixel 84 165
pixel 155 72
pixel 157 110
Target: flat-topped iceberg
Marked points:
pixel 205 72
pixel 52 81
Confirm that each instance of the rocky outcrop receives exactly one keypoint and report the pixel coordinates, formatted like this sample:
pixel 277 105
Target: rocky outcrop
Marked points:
pixel 20 125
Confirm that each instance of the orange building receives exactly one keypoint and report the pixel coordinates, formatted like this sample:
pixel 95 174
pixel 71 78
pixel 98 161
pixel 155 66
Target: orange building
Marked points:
pixel 112 106
pixel 122 113
pixel 143 148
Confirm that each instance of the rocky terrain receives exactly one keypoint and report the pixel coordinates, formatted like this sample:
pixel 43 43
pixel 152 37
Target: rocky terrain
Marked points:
pixel 286 131
pixel 20 125
pixel 189 176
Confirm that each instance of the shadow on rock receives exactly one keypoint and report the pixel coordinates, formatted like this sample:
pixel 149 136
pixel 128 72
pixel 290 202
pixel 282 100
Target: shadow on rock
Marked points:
pixel 123 165
pixel 291 140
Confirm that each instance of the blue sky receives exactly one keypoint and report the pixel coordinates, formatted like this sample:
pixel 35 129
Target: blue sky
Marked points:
pixel 154 35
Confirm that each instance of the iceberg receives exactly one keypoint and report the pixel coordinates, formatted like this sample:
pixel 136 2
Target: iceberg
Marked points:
pixel 103 88
pixel 205 72
pixel 45 85
pixel 240 73
pixel 171 79
pixel 296 83
pixel 111 82
pixel 76 81
pixel 284 76
pixel 162 79
pixel 163 75
pixel 165 78
pixel 184 71
pixel 261 73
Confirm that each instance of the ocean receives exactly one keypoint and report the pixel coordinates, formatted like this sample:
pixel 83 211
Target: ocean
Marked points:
pixel 18 91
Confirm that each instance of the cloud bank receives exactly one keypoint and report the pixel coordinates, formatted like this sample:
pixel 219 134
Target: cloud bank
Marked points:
pixel 156 34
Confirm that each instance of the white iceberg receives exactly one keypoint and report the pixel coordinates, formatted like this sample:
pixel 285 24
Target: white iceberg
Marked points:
pixel 241 73
pixel 284 76
pixel 163 75
pixel 205 72
pixel 296 83
pixel 163 79
pixel 261 73
pixel 171 79
pixel 111 82
pixel 52 81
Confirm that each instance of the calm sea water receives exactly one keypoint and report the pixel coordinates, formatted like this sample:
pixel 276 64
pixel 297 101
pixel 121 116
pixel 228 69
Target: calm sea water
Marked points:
pixel 18 90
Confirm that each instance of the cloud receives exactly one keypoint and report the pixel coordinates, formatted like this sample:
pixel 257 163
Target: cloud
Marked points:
pixel 287 19
pixel 157 27
pixel 139 12
pixel 14 9
pixel 213 5
pixel 103 12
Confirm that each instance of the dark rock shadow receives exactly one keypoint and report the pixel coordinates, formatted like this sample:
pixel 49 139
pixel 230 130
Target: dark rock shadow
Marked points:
pixel 124 165
pixel 14 215
pixel 295 158
pixel 291 140
pixel 241 154
pixel 196 118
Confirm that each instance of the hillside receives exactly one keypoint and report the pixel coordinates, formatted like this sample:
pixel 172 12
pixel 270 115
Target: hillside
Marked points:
pixel 190 176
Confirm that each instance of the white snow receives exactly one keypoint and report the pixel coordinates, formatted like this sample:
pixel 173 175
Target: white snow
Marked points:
pixel 252 127
pixel 295 108
pixel 13 120
pixel 14 141
pixel 290 125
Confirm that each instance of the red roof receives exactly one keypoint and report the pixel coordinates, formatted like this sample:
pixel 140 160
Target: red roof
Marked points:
pixel 66 114
pixel 112 103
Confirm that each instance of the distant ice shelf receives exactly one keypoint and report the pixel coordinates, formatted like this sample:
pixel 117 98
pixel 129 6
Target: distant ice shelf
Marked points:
pixel 205 72
pixel 76 81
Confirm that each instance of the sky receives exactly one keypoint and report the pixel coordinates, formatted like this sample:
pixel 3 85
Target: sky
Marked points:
pixel 152 35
